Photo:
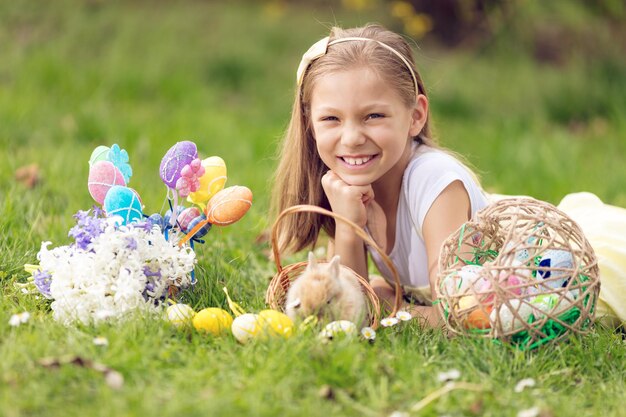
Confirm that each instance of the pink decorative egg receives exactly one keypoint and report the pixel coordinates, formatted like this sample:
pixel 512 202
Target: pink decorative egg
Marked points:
pixel 228 205
pixel 186 216
pixel 102 176
pixel 175 160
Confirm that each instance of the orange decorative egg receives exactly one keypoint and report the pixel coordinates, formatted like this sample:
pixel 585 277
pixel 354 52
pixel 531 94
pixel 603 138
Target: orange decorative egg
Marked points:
pixel 228 205
pixel 479 318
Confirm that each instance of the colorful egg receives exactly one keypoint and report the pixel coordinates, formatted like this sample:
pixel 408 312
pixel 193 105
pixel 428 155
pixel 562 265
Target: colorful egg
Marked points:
pixel 245 327
pixel 559 259
pixel 123 202
pixel 229 205
pixel 459 282
pixel 101 153
pixel 186 216
pixel 479 318
pixel 175 159
pixel 276 323
pixel 168 214
pixel 102 176
pixel 513 284
pixel 211 182
pixel 203 230
pixel 551 303
pixel 180 314
pixel 157 219
pixel 511 318
pixel 212 320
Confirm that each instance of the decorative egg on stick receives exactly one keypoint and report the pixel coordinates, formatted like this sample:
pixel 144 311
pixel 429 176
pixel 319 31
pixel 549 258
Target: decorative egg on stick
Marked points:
pixel 224 208
pixel 123 202
pixel 102 176
pixel 172 164
pixel 211 182
pixel 101 153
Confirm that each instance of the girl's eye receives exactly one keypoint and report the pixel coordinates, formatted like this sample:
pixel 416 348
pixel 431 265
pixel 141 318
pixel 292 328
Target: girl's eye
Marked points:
pixel 375 115
pixel 329 119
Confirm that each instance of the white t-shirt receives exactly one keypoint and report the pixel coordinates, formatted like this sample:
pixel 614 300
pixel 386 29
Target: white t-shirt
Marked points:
pixel 429 172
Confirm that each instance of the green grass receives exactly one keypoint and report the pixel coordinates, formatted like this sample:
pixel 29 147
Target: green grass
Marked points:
pixel 74 75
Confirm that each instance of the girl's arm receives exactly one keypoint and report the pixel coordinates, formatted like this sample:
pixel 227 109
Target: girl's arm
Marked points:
pixel 449 211
pixel 348 201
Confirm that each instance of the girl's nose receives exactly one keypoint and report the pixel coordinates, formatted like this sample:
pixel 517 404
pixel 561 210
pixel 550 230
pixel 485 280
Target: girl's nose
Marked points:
pixel 352 135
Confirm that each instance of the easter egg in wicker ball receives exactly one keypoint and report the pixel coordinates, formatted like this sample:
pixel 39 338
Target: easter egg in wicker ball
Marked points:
pixel 123 202
pixel 246 327
pixel 212 320
pixel 180 314
pixel 552 267
pixel 101 153
pixel 479 318
pixel 175 159
pixel 512 315
pixel 211 182
pixel 102 176
pixel 276 323
pixel 228 205
pixel 459 281
pixel 542 269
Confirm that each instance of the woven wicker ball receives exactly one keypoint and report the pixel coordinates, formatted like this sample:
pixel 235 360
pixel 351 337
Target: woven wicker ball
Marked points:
pixel 521 272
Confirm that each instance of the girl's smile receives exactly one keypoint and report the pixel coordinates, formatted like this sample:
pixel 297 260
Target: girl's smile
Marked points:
pixel 361 126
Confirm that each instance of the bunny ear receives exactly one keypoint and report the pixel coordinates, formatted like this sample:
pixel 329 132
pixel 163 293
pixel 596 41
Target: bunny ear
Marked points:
pixel 312 261
pixel 334 266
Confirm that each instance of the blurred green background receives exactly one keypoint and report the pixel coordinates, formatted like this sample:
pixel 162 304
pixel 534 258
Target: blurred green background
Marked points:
pixel 533 94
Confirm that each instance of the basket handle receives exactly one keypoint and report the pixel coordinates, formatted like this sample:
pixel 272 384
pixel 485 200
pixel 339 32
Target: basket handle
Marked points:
pixel 358 230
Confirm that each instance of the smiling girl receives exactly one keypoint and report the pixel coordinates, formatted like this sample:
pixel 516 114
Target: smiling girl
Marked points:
pixel 359 144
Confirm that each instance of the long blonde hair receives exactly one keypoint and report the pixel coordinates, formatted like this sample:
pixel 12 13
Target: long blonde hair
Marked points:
pixel 297 179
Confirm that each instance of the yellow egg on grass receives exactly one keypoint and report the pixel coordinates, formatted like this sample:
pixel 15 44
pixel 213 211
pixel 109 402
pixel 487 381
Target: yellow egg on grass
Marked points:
pixel 213 320
pixel 180 314
pixel 246 327
pixel 275 323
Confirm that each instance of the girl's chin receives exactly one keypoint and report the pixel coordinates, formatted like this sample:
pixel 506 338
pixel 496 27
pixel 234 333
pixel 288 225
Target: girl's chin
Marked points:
pixel 355 180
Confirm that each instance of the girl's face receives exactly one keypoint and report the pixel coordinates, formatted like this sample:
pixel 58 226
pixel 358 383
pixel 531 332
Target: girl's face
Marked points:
pixel 362 127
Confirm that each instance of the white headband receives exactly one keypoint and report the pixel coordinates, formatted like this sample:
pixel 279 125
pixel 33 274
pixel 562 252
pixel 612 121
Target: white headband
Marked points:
pixel 320 47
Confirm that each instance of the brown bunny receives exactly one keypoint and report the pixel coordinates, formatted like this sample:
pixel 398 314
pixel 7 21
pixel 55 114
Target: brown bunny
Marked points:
pixel 328 291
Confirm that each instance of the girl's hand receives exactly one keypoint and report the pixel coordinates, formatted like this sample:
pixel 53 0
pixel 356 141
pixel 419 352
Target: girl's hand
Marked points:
pixel 347 200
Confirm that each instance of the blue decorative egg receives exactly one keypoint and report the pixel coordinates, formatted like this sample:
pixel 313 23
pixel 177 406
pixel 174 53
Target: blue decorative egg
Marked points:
pixel 157 219
pixel 553 266
pixel 167 218
pixel 123 202
pixel 203 230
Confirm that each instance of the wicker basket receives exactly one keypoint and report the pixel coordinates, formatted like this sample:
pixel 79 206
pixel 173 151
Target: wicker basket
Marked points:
pixel 279 285
pixel 521 272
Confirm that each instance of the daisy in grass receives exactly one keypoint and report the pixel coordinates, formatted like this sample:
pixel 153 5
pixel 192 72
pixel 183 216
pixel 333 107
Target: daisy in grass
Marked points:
pixel 389 322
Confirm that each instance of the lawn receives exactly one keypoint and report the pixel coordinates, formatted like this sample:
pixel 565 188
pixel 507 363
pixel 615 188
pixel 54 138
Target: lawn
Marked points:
pixel 78 74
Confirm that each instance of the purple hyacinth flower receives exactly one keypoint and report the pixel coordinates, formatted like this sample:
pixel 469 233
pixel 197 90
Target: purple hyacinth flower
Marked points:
pixel 43 279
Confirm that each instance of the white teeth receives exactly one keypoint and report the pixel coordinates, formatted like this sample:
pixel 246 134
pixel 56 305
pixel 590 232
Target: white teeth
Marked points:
pixel 357 161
